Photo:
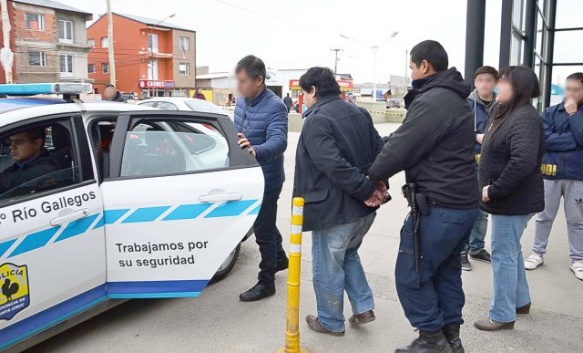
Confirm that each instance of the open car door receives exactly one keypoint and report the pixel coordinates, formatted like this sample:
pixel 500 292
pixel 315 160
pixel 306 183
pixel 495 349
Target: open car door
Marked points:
pixel 179 197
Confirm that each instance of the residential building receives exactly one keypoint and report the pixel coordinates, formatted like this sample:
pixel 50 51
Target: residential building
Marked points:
pixel 152 57
pixel 49 41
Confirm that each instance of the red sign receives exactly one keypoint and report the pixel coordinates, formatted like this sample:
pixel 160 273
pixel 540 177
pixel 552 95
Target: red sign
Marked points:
pixel 160 84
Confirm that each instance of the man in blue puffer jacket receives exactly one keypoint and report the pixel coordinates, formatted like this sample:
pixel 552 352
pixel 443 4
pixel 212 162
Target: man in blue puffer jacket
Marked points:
pixel 562 170
pixel 261 119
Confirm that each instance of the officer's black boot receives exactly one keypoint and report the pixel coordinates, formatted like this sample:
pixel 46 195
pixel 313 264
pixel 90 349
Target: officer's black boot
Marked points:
pixel 428 343
pixel 452 334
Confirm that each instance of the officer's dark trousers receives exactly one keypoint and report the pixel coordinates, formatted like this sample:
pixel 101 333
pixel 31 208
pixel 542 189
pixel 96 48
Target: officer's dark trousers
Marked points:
pixel 268 237
pixel 434 296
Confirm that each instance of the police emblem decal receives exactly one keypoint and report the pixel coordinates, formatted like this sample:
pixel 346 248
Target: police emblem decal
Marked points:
pixel 14 292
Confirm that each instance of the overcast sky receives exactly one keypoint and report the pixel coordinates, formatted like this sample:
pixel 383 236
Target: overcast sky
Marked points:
pixel 300 33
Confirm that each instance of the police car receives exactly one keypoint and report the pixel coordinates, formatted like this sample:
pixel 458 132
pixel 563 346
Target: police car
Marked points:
pixel 108 200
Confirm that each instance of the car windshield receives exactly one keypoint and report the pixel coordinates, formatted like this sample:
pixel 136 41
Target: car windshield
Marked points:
pixel 199 105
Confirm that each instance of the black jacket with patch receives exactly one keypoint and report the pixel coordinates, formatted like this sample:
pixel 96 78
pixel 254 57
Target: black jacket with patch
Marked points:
pixel 435 144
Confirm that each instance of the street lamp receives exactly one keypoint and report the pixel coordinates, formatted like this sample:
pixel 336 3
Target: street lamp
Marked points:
pixel 375 50
pixel 152 47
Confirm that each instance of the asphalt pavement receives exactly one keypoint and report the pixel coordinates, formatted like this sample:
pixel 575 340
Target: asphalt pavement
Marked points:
pixel 219 322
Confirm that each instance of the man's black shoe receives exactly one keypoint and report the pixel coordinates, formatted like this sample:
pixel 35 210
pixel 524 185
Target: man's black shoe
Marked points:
pixel 452 335
pixel 466 265
pixel 428 343
pixel 481 255
pixel 282 265
pixel 258 292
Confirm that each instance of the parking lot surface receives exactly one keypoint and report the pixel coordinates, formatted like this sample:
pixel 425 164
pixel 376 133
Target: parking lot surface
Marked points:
pixel 219 322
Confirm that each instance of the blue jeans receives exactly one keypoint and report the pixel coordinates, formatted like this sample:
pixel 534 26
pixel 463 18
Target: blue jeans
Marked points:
pixel 510 285
pixel 337 268
pixel 478 235
pixel 434 297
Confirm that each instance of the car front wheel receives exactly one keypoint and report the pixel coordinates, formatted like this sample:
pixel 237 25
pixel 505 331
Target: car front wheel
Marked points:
pixel 227 266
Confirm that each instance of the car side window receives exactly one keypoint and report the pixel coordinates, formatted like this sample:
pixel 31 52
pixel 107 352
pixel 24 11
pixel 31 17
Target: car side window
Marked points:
pixel 166 106
pixel 159 146
pixel 149 104
pixel 37 158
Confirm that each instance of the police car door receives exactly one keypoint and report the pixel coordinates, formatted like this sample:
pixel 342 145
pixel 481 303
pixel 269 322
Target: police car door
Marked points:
pixel 52 251
pixel 180 196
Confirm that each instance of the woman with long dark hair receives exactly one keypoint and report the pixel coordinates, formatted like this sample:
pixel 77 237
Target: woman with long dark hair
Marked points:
pixel 512 190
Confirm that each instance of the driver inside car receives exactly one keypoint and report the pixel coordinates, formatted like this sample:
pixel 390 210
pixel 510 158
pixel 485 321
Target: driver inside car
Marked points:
pixel 31 161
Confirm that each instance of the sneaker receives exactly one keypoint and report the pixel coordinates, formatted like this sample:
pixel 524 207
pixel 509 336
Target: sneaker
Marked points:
pixel 481 255
pixel 533 261
pixel 466 265
pixel 577 268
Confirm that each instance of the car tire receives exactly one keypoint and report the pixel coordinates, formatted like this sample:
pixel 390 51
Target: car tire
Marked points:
pixel 227 266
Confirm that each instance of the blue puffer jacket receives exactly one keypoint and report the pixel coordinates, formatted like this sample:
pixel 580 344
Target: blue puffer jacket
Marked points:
pixel 263 121
pixel 564 143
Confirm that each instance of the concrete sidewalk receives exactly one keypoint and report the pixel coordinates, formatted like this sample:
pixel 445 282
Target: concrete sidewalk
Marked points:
pixel 218 322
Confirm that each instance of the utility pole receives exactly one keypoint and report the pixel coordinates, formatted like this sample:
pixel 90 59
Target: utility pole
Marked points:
pixel 406 67
pixel 112 79
pixel 336 59
pixel 6 54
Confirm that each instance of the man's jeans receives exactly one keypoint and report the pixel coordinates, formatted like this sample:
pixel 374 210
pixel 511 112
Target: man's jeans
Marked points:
pixel 572 193
pixel 268 237
pixel 434 297
pixel 478 235
pixel 337 267
pixel 510 285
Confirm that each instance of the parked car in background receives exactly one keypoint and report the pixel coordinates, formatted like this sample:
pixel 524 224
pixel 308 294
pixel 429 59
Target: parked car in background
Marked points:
pixel 185 104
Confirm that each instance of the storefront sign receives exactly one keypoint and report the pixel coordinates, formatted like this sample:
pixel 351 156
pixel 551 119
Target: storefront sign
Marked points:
pixel 157 84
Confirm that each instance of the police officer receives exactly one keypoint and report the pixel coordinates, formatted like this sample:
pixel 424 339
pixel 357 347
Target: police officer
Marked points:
pixel 435 148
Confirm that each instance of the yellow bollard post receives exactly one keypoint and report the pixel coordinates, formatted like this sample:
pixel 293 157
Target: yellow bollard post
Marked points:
pixel 292 325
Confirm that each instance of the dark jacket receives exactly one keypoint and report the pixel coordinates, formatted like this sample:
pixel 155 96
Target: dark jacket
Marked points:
pixel 20 173
pixel 337 146
pixel 118 98
pixel 263 121
pixel 288 102
pixel 482 112
pixel 435 144
pixel 564 143
pixel 512 151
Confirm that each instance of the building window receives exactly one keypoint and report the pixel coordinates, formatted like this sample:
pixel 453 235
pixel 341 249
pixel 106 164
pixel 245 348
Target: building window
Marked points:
pixel 184 43
pixel 153 42
pixel 37 58
pixel 105 42
pixel 91 68
pixel 105 68
pixel 65 31
pixel 184 68
pixel 91 43
pixel 35 22
pixel 66 63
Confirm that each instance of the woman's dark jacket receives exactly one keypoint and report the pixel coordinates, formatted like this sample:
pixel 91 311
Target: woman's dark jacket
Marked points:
pixel 512 152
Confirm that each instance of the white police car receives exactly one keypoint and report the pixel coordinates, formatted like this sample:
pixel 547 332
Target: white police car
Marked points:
pixel 111 200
